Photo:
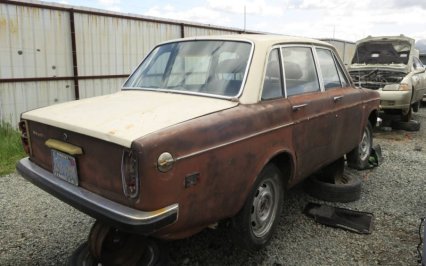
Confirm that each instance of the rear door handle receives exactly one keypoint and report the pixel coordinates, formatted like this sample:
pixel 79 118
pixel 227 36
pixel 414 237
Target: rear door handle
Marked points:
pixel 337 98
pixel 298 107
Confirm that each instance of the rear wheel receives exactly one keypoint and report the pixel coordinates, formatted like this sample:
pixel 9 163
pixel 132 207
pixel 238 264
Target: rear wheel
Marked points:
pixel 358 157
pixel 253 226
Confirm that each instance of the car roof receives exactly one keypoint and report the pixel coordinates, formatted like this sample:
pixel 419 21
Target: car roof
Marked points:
pixel 264 39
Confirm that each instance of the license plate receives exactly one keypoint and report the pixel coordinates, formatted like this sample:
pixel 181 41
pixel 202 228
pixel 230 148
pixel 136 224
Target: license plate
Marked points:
pixel 64 167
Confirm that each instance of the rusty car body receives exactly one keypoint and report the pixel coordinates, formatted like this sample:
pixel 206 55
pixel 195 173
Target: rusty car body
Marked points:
pixel 391 65
pixel 205 129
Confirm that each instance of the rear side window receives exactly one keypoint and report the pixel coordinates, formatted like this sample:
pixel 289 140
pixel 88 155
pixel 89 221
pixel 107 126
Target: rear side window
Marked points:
pixel 272 83
pixel 300 72
pixel 328 69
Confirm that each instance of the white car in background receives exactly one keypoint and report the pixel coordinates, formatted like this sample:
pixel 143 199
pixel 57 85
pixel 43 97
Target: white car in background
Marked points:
pixel 391 65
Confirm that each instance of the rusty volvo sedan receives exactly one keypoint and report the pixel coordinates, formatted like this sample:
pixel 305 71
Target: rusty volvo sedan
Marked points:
pixel 206 129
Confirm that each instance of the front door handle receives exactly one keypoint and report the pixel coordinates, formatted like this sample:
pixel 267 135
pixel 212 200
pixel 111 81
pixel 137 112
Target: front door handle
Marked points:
pixel 298 107
pixel 337 98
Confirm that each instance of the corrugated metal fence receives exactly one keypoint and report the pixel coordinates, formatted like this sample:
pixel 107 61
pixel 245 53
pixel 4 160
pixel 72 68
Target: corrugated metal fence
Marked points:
pixel 345 49
pixel 53 53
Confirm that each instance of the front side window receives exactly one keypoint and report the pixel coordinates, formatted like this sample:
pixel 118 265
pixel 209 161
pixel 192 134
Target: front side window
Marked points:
pixel 208 67
pixel 300 72
pixel 417 64
pixel 328 69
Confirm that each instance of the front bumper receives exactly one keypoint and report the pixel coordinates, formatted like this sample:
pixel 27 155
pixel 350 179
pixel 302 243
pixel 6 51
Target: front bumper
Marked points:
pixel 395 100
pixel 118 215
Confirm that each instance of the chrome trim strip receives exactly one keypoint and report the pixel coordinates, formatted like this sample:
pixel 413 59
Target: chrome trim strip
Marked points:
pixel 233 141
pixel 264 132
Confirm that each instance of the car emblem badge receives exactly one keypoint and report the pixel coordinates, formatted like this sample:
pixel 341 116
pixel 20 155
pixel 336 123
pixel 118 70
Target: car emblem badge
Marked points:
pixel 65 136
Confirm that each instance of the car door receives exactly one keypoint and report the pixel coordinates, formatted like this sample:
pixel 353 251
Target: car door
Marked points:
pixel 345 101
pixel 309 109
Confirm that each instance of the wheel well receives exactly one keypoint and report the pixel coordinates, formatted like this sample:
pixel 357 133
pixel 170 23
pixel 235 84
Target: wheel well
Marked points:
pixel 284 162
pixel 373 118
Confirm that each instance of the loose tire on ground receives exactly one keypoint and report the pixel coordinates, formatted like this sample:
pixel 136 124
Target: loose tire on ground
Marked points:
pixel 358 157
pixel 411 125
pixel 347 191
pixel 253 227
pixel 151 256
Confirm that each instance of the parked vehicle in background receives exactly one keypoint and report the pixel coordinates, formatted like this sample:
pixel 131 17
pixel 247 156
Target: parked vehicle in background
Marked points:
pixel 390 65
pixel 206 129
pixel 423 59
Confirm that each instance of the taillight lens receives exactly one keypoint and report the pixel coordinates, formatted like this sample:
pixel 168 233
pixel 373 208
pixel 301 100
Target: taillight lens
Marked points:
pixel 25 137
pixel 129 174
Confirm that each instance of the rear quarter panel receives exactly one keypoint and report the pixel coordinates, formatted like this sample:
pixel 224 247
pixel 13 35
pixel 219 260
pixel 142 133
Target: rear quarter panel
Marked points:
pixel 227 149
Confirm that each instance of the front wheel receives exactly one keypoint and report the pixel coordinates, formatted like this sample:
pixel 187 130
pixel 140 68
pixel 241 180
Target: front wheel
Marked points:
pixel 405 117
pixel 253 226
pixel 358 158
pixel 416 106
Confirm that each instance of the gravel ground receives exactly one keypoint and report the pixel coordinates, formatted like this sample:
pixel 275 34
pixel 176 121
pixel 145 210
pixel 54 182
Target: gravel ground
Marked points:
pixel 38 229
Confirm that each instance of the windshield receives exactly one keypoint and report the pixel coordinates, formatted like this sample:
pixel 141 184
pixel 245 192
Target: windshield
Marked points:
pixel 382 52
pixel 199 67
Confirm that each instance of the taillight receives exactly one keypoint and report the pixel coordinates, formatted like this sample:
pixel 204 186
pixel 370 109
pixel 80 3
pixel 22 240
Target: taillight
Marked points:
pixel 25 137
pixel 129 174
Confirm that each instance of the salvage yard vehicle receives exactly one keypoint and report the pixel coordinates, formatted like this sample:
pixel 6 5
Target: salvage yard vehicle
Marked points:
pixel 206 129
pixel 390 65
pixel 423 59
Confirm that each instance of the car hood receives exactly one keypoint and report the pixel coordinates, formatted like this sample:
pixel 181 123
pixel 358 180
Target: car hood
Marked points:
pixel 127 115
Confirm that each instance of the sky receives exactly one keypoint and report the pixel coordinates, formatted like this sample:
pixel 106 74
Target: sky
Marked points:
pixel 348 20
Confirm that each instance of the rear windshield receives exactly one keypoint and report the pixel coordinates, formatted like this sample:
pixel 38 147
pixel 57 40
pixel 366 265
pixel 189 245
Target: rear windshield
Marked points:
pixel 382 52
pixel 198 67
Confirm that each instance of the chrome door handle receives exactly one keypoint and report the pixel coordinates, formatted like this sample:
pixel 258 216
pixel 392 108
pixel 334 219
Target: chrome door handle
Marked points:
pixel 337 98
pixel 298 107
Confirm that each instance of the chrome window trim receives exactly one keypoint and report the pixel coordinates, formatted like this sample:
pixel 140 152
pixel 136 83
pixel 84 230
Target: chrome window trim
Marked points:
pixel 317 69
pixel 265 66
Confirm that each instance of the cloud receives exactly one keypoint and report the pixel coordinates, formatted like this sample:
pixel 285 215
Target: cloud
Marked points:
pixel 254 7
pixel 109 2
pixel 112 5
pixel 409 3
pixel 196 14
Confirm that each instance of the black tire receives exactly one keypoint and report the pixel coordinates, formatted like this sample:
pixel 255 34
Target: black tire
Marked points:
pixel 151 256
pixel 347 191
pixel 253 227
pixel 407 117
pixel 416 106
pixel 412 125
pixel 358 157
pixel 392 111
pixel 82 257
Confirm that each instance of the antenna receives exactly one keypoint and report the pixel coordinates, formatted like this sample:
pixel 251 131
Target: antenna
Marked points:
pixel 244 18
